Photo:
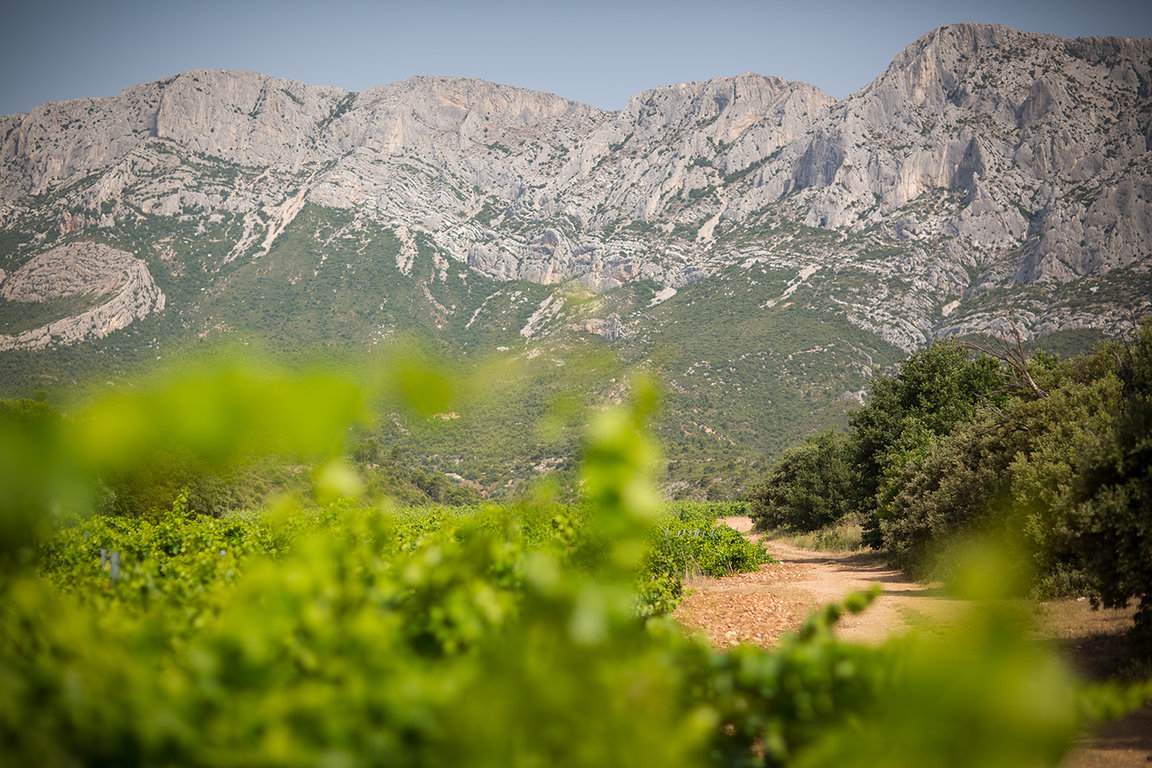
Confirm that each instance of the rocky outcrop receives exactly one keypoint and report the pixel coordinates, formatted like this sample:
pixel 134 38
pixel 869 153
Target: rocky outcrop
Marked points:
pixel 247 118
pixel 982 158
pixel 1045 137
pixel 119 286
pixel 609 327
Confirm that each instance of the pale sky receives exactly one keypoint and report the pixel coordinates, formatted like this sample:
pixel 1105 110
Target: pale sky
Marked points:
pixel 595 51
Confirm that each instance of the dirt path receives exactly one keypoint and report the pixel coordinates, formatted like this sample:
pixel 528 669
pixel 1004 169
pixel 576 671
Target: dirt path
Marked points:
pixel 757 608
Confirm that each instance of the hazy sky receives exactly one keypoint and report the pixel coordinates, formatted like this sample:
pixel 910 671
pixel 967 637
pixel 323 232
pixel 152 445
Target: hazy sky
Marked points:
pixel 596 51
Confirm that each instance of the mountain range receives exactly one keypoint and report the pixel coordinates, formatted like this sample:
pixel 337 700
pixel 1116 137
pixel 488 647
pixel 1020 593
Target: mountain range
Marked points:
pixel 761 247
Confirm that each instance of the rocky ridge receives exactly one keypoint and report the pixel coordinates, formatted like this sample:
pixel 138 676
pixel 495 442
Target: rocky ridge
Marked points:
pixel 983 170
pixel 117 287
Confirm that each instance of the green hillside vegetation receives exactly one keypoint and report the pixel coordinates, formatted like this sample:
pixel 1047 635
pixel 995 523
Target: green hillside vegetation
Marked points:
pixel 741 380
pixel 19 316
pixel 755 376
pixel 1050 453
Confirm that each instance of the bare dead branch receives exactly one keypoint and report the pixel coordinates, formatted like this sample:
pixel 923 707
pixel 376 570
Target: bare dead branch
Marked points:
pixel 1014 357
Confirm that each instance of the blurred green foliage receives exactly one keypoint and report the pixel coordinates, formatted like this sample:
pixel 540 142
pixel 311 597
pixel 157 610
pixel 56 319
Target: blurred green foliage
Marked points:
pixel 343 631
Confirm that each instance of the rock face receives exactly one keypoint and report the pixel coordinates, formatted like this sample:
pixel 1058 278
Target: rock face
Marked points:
pixel 1044 137
pixel 119 286
pixel 983 159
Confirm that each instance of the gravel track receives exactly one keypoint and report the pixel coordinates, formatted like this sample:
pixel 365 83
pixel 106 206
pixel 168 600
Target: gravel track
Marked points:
pixel 757 608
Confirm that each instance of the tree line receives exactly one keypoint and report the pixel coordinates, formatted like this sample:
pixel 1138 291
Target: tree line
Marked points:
pixel 1052 454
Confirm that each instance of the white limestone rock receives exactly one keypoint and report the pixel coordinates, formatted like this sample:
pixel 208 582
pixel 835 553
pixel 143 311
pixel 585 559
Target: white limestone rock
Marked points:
pixel 120 286
pixel 1005 157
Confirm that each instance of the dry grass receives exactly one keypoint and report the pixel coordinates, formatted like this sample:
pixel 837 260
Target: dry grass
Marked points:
pixel 846 535
pixel 1097 644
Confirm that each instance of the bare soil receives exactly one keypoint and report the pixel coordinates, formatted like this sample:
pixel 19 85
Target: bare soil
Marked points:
pixel 757 608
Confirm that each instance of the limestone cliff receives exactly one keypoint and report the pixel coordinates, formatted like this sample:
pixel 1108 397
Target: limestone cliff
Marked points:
pixel 116 287
pixel 983 159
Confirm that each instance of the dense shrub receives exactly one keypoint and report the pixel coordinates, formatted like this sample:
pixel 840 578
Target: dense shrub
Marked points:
pixel 957 484
pixel 810 487
pixel 1052 454
pixel 1012 468
pixel 1111 522
pixel 935 390
pixel 830 475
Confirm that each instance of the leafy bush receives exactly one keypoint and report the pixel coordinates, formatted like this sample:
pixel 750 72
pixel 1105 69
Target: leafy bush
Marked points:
pixel 1111 523
pixel 810 487
pixel 1011 468
pixel 1052 454
pixel 936 390
pixel 819 482
pixel 717 551
pixel 958 482
pixel 688 541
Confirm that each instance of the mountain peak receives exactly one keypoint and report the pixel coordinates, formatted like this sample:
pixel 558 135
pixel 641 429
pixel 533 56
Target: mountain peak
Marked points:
pixel 997 156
